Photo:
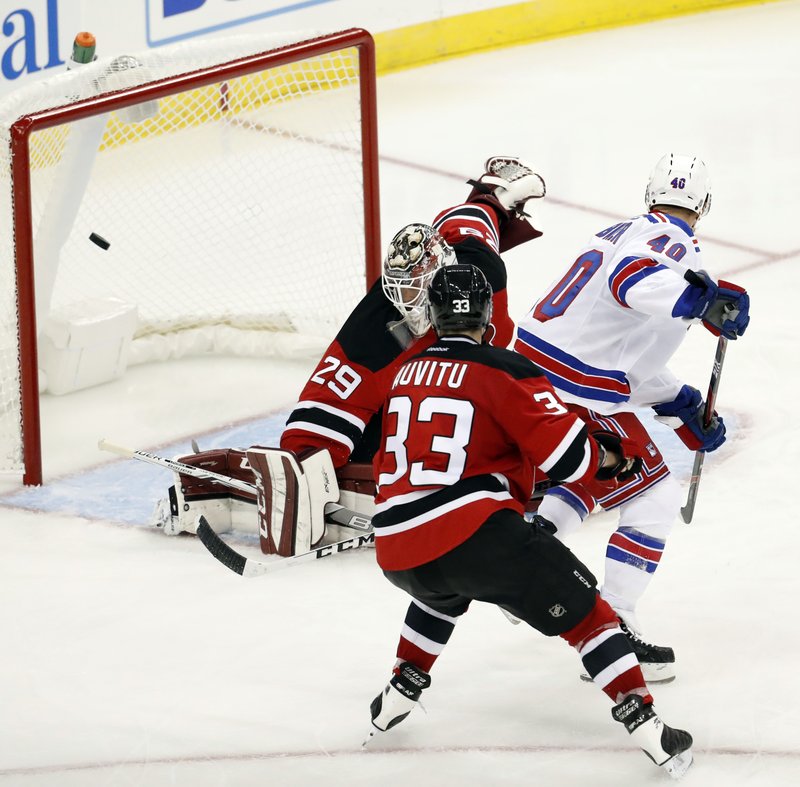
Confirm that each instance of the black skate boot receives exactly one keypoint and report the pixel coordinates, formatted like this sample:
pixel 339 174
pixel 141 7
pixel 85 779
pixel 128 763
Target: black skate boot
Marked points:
pixel 668 748
pixel 657 661
pixel 398 699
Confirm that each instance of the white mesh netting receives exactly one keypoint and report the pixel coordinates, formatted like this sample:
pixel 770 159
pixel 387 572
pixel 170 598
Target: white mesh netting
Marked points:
pixel 234 211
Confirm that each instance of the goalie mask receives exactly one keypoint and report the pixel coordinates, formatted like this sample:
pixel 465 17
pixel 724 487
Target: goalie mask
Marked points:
pixel 680 180
pixel 414 256
pixel 460 298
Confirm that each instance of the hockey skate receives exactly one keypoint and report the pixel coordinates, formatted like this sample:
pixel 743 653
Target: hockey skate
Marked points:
pixel 657 661
pixel 398 699
pixel 668 748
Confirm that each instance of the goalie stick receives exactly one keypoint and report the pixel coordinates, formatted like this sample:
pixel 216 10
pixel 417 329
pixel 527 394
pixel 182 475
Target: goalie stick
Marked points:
pixel 334 513
pixel 687 512
pixel 249 567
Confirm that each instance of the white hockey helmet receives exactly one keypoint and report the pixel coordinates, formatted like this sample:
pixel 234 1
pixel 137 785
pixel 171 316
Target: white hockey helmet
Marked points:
pixel 681 180
pixel 413 257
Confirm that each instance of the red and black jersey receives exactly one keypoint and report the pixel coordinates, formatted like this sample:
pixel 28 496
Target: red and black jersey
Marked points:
pixel 338 405
pixel 473 230
pixel 465 426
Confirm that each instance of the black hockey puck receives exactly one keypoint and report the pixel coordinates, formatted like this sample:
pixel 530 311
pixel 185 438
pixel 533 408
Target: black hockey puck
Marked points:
pixel 99 240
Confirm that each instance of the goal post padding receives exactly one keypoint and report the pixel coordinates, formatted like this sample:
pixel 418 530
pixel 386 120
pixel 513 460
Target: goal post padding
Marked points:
pixel 233 186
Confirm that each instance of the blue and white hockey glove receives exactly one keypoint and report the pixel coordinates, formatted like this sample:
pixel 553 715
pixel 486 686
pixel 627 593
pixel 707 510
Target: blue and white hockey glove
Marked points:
pixel 723 307
pixel 685 415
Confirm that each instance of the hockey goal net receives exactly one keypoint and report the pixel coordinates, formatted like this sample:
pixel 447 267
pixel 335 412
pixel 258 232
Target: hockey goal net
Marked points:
pixel 216 196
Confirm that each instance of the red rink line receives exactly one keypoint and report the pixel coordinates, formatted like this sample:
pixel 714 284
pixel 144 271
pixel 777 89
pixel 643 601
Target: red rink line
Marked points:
pixel 311 754
pixel 767 259
pixel 761 260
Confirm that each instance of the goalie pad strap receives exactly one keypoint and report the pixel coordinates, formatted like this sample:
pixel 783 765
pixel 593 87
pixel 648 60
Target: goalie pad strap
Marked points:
pixel 291 527
pixel 356 477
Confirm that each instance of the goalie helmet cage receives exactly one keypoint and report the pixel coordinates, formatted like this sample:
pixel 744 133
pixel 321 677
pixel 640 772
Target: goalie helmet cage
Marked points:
pixel 235 181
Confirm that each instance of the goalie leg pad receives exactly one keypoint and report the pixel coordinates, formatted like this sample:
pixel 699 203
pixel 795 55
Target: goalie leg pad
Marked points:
pixel 291 498
pixel 191 497
pixel 291 514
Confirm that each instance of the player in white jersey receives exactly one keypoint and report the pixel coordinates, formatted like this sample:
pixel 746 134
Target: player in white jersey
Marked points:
pixel 604 333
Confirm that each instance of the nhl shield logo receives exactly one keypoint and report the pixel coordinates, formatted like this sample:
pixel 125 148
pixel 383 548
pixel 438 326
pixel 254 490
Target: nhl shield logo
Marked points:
pixel 557 610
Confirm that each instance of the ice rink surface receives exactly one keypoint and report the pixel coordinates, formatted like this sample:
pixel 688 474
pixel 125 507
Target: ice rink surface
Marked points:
pixel 129 658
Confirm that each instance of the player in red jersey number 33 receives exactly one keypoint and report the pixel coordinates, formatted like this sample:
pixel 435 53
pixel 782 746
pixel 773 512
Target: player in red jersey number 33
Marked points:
pixel 464 426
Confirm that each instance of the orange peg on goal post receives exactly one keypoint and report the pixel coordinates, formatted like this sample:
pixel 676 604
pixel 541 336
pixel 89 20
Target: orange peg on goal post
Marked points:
pixel 83 47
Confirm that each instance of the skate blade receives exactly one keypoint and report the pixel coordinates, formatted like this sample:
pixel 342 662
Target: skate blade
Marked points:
pixel 369 737
pixel 512 619
pixel 658 673
pixel 678 765
pixel 665 679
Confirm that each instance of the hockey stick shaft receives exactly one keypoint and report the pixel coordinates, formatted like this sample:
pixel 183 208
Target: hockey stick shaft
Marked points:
pixel 248 567
pixel 335 513
pixel 175 466
pixel 687 512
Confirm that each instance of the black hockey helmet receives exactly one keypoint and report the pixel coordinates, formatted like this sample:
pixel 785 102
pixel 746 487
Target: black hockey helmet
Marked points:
pixel 459 297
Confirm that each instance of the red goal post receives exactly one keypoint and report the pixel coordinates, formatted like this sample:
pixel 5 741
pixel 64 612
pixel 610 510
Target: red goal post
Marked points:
pixel 233 184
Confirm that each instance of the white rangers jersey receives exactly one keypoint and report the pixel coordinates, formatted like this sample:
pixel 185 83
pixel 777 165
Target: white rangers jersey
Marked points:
pixel 606 329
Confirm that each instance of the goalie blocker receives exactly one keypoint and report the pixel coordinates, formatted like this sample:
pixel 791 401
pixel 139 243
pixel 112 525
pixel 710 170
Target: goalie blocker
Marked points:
pixel 288 506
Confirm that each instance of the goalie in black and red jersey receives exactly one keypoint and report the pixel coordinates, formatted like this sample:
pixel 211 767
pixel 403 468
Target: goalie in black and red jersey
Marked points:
pixel 338 406
pixel 331 436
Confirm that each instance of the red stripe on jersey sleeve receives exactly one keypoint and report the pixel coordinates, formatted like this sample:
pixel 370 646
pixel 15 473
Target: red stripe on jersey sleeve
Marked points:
pixel 469 221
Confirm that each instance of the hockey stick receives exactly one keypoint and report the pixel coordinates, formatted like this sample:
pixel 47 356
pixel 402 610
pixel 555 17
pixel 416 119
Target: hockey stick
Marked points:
pixel 248 567
pixel 175 466
pixel 687 512
pixel 338 515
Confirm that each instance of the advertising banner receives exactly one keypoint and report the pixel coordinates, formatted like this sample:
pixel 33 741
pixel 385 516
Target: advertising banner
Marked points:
pixel 173 20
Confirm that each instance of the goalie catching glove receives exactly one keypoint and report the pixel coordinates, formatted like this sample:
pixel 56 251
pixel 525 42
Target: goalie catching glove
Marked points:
pixel 685 414
pixel 511 181
pixel 506 185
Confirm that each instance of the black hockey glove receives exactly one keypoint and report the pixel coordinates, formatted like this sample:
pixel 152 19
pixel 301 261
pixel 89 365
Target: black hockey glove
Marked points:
pixel 628 464
pixel 544 524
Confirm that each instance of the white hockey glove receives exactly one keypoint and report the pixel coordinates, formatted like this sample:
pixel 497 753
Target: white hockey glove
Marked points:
pixel 514 182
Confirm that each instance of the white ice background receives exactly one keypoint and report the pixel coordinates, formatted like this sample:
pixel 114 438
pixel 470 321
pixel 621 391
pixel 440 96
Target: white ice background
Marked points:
pixel 131 658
